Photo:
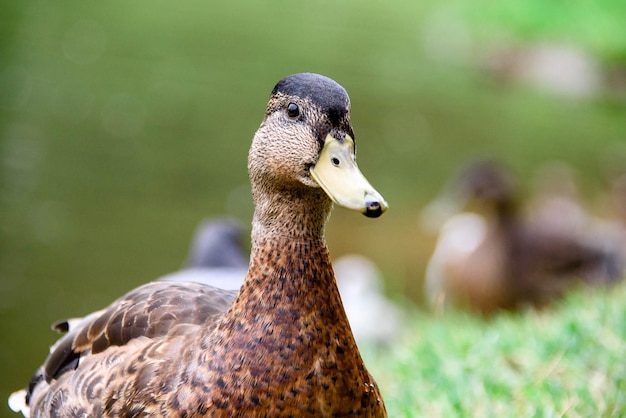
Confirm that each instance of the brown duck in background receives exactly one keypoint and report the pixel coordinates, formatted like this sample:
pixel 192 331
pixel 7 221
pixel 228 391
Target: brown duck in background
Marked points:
pixel 557 208
pixel 490 257
pixel 284 346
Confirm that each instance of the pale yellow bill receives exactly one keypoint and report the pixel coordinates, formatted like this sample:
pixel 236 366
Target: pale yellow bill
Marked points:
pixel 339 176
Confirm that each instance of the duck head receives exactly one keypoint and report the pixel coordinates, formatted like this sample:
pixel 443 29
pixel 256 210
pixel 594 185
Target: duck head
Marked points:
pixel 305 146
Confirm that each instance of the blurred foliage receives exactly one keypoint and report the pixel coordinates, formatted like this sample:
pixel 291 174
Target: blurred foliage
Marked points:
pixel 123 124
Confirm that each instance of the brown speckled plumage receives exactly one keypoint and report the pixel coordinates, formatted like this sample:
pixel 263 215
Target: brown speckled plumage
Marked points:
pixel 283 347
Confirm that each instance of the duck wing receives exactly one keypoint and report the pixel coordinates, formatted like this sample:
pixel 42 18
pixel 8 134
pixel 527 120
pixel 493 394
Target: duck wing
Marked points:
pixel 151 311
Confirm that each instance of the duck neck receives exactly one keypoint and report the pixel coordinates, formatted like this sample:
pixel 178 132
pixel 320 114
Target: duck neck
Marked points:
pixel 299 213
pixel 291 280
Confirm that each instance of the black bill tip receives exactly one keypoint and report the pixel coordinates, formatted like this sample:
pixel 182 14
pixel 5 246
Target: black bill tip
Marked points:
pixel 373 209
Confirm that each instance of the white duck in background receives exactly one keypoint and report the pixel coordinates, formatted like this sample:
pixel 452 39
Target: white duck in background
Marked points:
pixel 374 319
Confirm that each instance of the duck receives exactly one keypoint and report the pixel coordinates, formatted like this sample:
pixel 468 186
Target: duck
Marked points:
pixel 489 257
pixel 281 345
pixel 556 207
pixel 217 255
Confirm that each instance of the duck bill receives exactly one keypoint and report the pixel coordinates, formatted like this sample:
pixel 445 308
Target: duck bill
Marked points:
pixel 338 175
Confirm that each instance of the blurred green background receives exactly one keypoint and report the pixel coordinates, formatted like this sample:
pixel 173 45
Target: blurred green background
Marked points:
pixel 123 124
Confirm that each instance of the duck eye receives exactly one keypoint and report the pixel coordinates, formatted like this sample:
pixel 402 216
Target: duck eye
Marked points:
pixel 293 110
pixel 335 161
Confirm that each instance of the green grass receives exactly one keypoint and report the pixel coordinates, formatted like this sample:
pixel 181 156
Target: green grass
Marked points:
pixel 563 361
